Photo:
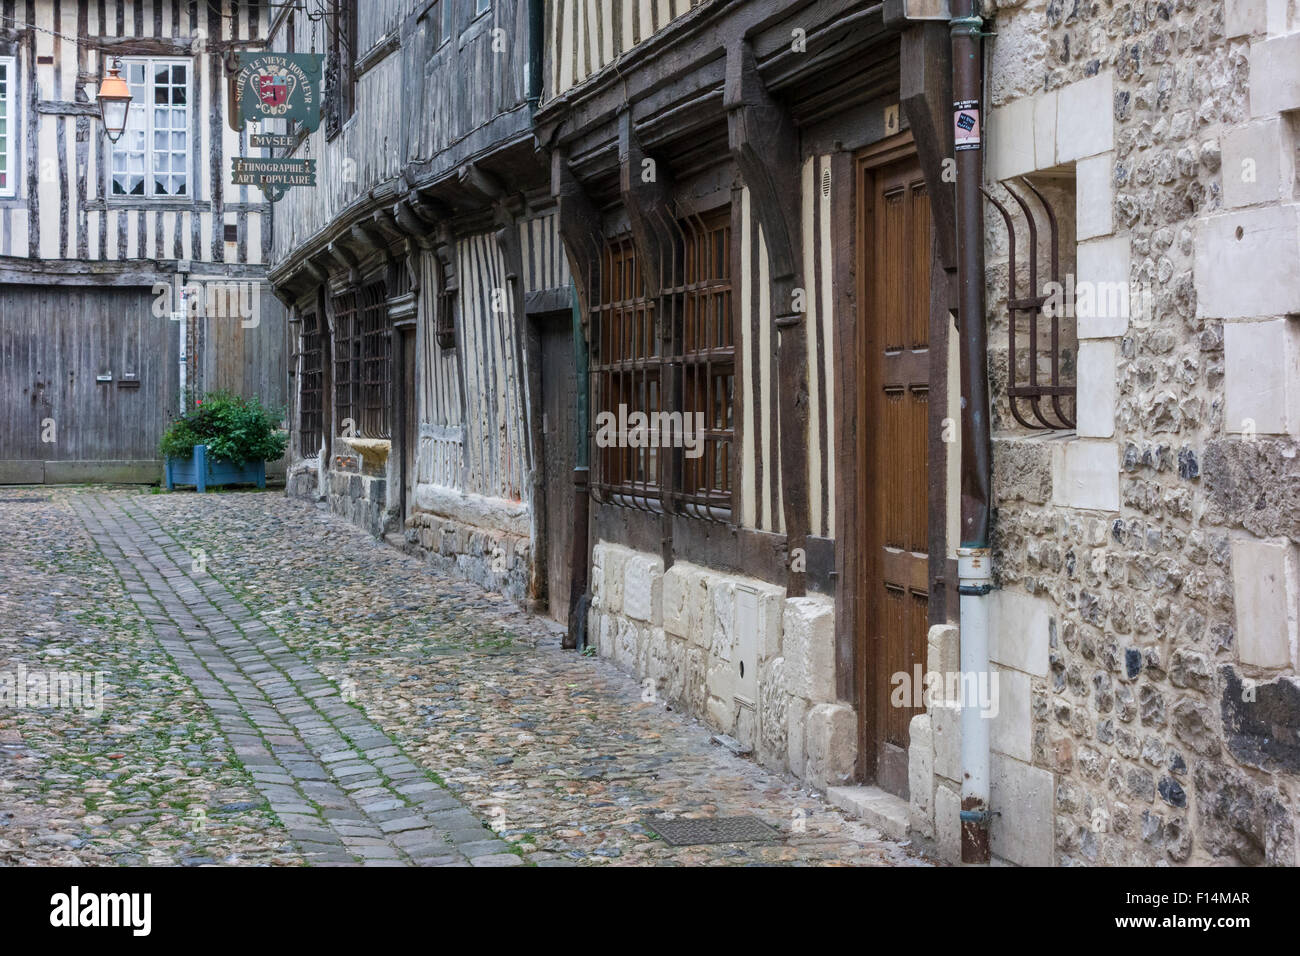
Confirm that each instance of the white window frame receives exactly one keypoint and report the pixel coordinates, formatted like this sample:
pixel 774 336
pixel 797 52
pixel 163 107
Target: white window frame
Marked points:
pixel 151 63
pixel 10 65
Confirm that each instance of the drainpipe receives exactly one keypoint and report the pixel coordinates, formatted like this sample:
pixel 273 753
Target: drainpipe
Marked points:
pixel 579 599
pixel 974 558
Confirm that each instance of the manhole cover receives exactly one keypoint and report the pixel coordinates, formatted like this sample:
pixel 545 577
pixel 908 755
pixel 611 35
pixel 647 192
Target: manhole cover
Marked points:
pixel 684 832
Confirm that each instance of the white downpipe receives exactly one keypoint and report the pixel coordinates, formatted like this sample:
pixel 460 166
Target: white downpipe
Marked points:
pixel 182 325
pixel 975 580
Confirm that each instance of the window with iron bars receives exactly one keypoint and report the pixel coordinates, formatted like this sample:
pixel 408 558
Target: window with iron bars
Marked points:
pixel 376 363
pixel 626 374
pixel 446 303
pixel 699 306
pixel 681 345
pixel 342 66
pixel 347 361
pixel 311 387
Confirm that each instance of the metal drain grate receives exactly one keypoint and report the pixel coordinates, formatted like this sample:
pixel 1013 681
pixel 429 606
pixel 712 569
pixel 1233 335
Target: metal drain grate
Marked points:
pixel 684 832
pixel 22 501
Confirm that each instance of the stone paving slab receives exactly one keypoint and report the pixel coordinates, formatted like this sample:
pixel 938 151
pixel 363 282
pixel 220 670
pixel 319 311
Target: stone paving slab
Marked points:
pixel 285 689
pixel 555 750
pixel 148 780
pixel 256 686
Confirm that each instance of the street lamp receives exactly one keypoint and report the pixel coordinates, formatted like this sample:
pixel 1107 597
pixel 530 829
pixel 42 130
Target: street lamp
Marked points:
pixel 114 98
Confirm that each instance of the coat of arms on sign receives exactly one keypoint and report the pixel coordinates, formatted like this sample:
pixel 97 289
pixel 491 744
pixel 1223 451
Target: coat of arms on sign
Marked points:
pixel 275 90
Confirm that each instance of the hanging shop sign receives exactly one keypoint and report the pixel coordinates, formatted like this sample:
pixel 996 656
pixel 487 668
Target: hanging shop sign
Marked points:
pixel 272 176
pixel 268 86
pixel 274 86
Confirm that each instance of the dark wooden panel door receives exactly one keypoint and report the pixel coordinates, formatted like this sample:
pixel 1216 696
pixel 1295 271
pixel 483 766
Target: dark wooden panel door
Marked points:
pixel 894 290
pixel 559 421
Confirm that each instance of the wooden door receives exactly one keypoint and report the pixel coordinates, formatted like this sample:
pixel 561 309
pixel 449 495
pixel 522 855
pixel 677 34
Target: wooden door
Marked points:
pixel 559 422
pixel 894 254
pixel 88 380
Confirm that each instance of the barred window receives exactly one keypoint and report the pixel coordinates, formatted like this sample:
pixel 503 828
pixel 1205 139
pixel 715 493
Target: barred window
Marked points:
pixel 707 358
pixel 311 388
pixel 347 362
pixel 626 376
pixel 446 304
pixel 342 66
pixel 667 366
pixel 376 363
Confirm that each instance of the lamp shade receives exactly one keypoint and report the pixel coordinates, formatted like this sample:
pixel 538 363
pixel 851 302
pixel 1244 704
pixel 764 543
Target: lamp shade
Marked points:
pixel 114 98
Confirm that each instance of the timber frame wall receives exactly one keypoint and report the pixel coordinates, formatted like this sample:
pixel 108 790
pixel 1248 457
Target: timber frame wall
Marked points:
pixel 730 107
pixel 432 177
pixel 751 116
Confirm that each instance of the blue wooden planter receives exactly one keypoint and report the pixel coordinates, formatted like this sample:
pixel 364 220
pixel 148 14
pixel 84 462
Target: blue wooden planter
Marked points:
pixel 200 471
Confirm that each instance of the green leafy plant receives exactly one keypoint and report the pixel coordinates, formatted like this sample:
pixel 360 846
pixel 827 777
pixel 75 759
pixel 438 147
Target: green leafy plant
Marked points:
pixel 234 429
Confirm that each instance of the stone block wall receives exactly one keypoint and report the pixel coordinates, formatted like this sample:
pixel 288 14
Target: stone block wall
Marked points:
pixel 496 560
pixel 732 651
pixel 1145 633
pixel 362 500
pixel 302 479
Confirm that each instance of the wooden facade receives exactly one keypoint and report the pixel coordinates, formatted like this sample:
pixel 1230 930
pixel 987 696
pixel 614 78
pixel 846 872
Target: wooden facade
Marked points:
pixel 111 234
pixel 764 112
pixel 428 179
pixel 692 171
pixel 64 207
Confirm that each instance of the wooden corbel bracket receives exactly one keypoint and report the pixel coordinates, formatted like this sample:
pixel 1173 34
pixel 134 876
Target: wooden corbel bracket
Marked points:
pixel 579 226
pixel 646 192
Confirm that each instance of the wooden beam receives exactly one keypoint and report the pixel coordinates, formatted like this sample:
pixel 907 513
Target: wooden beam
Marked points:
pixel 844 221
pixel 925 96
pixel 579 224
pixel 65 108
pixel 765 147
pixel 345 258
pixel 166 46
pixel 477 179
pixel 648 203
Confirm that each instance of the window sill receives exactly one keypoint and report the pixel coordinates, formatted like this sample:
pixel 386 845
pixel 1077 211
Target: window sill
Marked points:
pixel 128 201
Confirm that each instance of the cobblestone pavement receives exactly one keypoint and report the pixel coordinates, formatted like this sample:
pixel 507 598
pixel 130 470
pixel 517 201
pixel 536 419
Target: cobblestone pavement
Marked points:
pixel 340 703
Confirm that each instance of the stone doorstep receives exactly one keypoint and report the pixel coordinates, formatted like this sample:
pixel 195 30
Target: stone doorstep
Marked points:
pixel 873 806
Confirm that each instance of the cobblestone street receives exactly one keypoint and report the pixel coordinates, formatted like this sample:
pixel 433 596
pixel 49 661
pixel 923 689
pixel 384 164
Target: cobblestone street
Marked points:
pixel 280 688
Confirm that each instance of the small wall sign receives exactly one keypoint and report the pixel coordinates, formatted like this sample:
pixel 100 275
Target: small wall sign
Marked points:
pixel 966 124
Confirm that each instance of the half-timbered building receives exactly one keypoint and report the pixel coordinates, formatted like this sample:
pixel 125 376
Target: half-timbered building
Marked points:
pixel 979 317
pixel 921 412
pixel 752 199
pixel 106 249
pixel 430 296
